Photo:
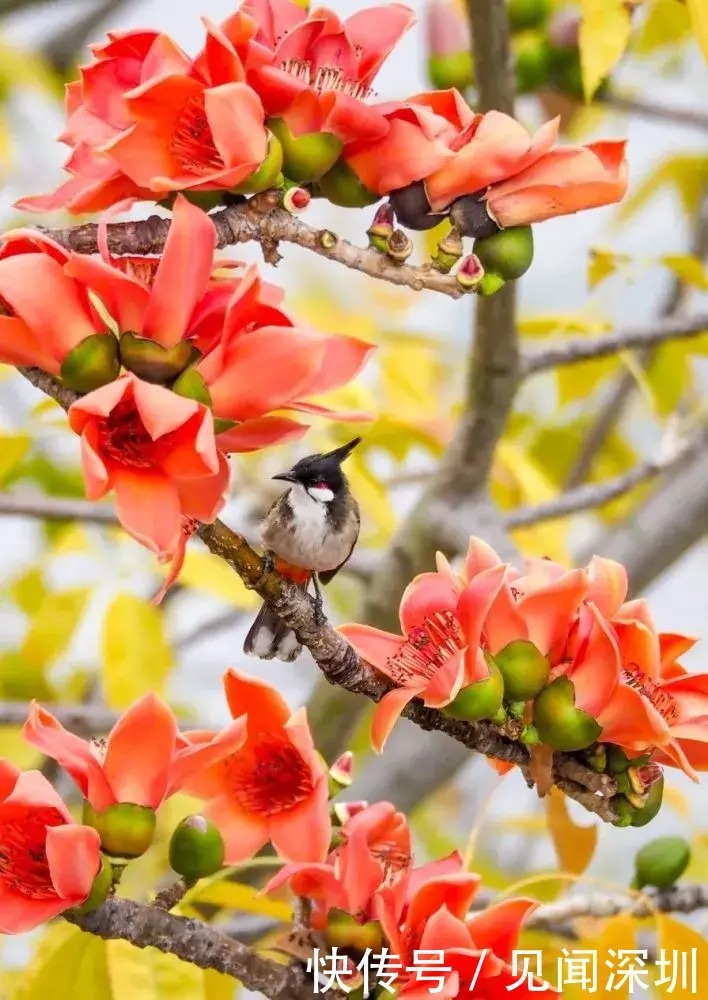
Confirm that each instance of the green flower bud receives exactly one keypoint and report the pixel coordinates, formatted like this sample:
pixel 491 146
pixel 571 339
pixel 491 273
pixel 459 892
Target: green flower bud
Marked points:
pixel 153 362
pixel 100 889
pixel 450 250
pixel 268 174
pixel 470 273
pixel 500 717
pixel 308 157
pixel 206 200
pixel 295 199
pixel 126 830
pixel 652 804
pixel 524 668
pixel 341 812
pixel 191 385
pixel 597 758
pixel 527 13
pixel 399 246
pixel 529 736
pixel 381 227
pixel 559 723
pixel 342 187
pixel 92 363
pixel 508 253
pixel 661 863
pixel 196 848
pixel 456 69
pixel 490 284
pixel 343 931
pixel 617 760
pixel 340 773
pixel 532 61
pixel 480 700
pixel 623 811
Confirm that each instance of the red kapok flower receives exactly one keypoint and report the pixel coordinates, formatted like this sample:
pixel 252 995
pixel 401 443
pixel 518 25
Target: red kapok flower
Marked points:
pixel 97 112
pixel 157 451
pixel 439 652
pixel 274 788
pixel 144 759
pixel 375 853
pixel 322 68
pixel 48 863
pixel 478 949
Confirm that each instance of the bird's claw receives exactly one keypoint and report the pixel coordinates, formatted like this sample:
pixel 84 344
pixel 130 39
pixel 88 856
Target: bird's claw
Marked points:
pixel 318 610
pixel 267 566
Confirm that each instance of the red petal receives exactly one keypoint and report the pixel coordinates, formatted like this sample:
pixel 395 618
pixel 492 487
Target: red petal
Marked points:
pixel 260 701
pixel 74 858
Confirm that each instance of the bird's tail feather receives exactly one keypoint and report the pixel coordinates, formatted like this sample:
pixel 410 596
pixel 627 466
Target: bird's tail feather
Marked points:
pixel 269 639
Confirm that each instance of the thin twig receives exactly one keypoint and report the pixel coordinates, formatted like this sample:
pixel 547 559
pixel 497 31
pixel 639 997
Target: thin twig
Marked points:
pixel 56 509
pixel 170 896
pixel 597 494
pixel 679 899
pixel 569 350
pixel 667 113
pixel 261 220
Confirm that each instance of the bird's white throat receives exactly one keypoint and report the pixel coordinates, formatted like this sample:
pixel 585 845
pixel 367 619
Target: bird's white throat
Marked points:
pixel 322 494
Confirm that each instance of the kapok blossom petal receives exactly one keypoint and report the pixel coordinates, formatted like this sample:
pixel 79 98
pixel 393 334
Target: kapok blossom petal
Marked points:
pixel 388 712
pixel 500 148
pixel 99 403
pixel 148 507
pixel 316 881
pixel 690 694
pixel 595 673
pixel 475 601
pixel 260 432
pixel 374 32
pixel 630 721
pixel 425 595
pixel 265 708
pixel 498 926
pixel 639 645
pixel 443 931
pixel 671 647
pixel 236 118
pixel 19 913
pixel 20 346
pixel 342 360
pixel 566 180
pixel 303 833
pixel 244 832
pixel 139 752
pixel 204 498
pixel 505 622
pixel 549 612
pixel 60 314
pixel 479 556
pixel 182 275
pixel 373 645
pixel 124 297
pixel 74 858
pixel 451 864
pixel 8 778
pixel 608 585
pixel 455 891
pixel 339 416
pixel 445 684
pixel 192 759
pixel 160 410
pixel 75 755
pixel 32 790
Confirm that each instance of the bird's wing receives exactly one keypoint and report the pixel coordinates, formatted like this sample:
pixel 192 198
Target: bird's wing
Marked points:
pixel 330 574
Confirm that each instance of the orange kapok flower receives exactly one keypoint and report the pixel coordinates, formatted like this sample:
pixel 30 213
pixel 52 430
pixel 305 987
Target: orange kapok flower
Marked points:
pixel 275 787
pixel 143 761
pixel 439 651
pixel 477 950
pixel 156 451
pixel 48 863
pixel 375 852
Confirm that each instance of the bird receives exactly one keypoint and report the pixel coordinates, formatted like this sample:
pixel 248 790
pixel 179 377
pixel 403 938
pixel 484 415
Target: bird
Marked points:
pixel 308 534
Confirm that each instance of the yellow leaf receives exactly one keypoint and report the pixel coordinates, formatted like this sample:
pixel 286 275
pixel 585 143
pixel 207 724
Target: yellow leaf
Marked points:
pixel 665 24
pixel 148 974
pixel 668 377
pixel 28 591
pixel 698 9
pixel 14 747
pixel 228 895
pixel 618 934
pixel 210 575
pixel 432 237
pixel 136 655
pixel 686 173
pixel 373 497
pixel 678 801
pixel 69 965
pixel 13 448
pixel 602 264
pixel 688 268
pixel 71 538
pixel 676 937
pixel 53 625
pixel 604 34
pixel 574 845
pixel 217 986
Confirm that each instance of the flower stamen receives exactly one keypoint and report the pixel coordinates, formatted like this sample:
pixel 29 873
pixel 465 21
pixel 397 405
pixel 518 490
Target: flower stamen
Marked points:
pixel 326 78
pixel 192 143
pixel 633 676
pixel 428 646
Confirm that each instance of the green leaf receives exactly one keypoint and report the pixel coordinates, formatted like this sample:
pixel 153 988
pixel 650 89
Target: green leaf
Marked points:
pixel 53 626
pixel 136 655
pixel 13 448
pixel 686 173
pixel 604 34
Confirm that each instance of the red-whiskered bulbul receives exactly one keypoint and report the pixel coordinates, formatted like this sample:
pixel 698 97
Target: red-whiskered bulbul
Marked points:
pixel 308 534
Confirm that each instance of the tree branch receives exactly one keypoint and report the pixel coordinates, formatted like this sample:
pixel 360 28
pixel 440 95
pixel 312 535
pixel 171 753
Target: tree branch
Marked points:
pixel 596 494
pixel 56 509
pixel 261 220
pixel 62 48
pixel 658 110
pixel 569 350
pixel 196 942
pixel 88 720
pixel 679 899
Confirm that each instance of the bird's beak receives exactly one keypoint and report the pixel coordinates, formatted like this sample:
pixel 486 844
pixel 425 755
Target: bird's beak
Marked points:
pixel 287 477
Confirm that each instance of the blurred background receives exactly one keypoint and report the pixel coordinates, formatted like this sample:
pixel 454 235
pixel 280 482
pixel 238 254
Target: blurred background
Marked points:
pixel 75 620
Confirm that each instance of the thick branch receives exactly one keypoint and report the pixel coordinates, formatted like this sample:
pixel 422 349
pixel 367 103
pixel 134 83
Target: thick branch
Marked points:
pixel 195 942
pixel 569 350
pixel 260 220
pixel 596 494
pixel 56 509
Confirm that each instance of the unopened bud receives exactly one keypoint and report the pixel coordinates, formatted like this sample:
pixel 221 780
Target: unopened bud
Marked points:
pixel 527 13
pixel 450 249
pixel 524 668
pixel 490 284
pixel 560 724
pixel 481 700
pixel 653 799
pixel 340 773
pixel 126 830
pixel 152 362
pixel 508 253
pixel 305 157
pixel 342 187
pixel 529 736
pixel 296 200
pixel 399 246
pixel 622 810
pixel 381 227
pixel 470 272
pixel 412 208
pixel 92 363
pixel 344 811
pixel 196 848
pixel 328 239
pixel 564 28
pixel 617 760
pixel 471 216
pixel 597 758
pixel 100 890
pixel 449 45
pixel 268 175
pixel 343 931
pixel 661 862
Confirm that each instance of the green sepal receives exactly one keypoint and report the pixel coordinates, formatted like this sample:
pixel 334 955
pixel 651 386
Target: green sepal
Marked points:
pixel 92 363
pixel 560 724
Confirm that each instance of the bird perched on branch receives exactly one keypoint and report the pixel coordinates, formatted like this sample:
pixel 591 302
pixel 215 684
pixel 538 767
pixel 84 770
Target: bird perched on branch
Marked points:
pixel 308 533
